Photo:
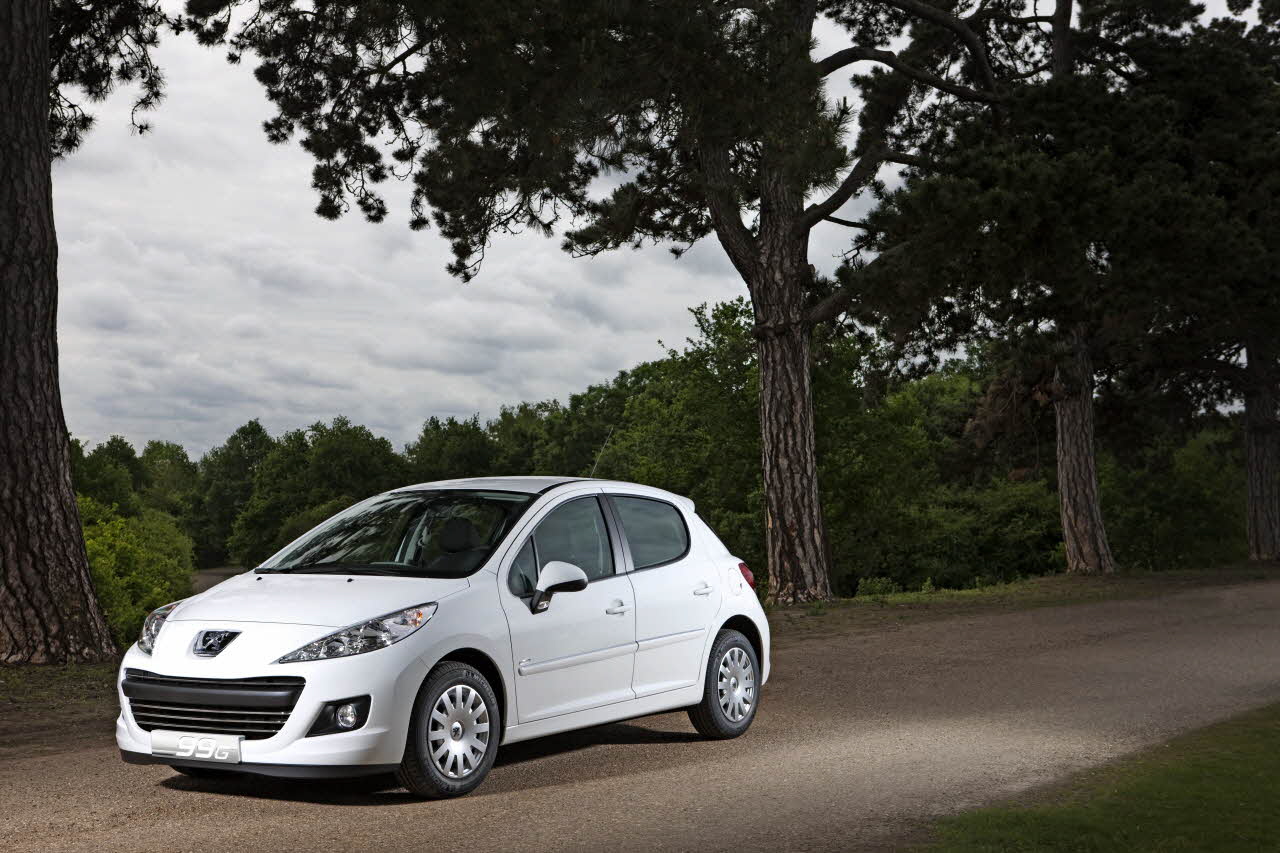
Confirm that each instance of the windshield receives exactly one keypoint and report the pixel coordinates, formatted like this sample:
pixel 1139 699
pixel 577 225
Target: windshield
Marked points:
pixel 446 534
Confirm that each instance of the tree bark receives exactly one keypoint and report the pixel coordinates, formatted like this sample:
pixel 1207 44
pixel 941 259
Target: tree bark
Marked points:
pixel 1083 532
pixel 1262 451
pixel 48 610
pixel 796 537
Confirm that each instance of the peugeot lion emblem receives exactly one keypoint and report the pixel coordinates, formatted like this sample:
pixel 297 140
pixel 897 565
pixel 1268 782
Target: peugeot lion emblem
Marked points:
pixel 209 643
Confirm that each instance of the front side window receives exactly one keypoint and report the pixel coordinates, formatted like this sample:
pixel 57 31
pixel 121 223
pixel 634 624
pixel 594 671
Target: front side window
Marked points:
pixel 573 533
pixel 445 534
pixel 655 530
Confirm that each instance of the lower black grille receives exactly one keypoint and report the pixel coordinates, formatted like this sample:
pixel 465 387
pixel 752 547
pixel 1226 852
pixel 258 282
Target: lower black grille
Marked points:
pixel 256 708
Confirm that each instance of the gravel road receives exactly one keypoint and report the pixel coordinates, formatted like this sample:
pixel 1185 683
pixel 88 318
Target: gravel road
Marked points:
pixel 862 736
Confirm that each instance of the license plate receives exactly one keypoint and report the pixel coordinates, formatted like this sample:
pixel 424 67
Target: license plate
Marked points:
pixel 200 747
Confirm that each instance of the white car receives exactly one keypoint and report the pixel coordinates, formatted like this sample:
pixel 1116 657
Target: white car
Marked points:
pixel 419 629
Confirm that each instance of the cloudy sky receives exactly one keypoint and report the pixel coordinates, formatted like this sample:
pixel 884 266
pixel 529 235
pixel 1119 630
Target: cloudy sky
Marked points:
pixel 200 290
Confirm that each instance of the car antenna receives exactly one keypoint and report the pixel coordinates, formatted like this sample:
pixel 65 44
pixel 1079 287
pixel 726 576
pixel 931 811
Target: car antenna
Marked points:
pixel 600 452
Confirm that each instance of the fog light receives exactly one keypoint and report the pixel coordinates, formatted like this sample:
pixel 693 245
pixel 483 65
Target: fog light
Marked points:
pixel 341 715
pixel 347 716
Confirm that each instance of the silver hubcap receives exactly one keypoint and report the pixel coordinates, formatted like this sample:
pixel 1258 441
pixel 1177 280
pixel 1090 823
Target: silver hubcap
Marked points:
pixel 459 732
pixel 736 684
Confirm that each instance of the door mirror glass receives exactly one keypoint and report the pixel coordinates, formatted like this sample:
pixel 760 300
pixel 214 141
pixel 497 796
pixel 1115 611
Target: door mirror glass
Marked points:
pixel 556 576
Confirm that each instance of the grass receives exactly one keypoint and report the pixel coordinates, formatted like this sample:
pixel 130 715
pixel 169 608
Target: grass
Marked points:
pixel 65 685
pixel 48 706
pixel 877 611
pixel 1214 789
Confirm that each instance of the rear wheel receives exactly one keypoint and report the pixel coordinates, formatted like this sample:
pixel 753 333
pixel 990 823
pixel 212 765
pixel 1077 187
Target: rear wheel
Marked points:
pixel 731 691
pixel 453 734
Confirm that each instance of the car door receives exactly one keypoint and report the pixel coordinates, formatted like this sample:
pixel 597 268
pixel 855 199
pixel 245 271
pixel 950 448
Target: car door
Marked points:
pixel 677 592
pixel 579 652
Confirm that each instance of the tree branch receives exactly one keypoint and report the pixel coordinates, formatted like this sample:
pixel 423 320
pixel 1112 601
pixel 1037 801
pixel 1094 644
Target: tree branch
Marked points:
pixel 850 55
pixel 909 159
pixel 1000 15
pixel 847 223
pixel 837 303
pixel 861 173
pixel 726 211
pixel 387 66
pixel 967 34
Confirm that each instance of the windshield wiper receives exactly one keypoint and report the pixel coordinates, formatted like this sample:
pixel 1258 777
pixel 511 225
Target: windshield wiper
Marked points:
pixel 337 568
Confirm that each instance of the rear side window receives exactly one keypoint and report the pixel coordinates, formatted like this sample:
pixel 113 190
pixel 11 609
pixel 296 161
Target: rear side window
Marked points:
pixel 655 530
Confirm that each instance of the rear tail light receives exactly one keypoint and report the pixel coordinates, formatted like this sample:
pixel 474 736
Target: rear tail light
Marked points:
pixel 746 575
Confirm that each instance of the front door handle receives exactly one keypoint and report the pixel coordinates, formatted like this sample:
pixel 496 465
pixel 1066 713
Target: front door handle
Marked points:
pixel 705 589
pixel 617 609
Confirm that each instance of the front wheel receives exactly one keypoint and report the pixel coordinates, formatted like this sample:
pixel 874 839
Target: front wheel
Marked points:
pixel 453 734
pixel 731 691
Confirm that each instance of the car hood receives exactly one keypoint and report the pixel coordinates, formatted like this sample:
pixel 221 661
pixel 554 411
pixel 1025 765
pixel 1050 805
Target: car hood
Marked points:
pixel 324 600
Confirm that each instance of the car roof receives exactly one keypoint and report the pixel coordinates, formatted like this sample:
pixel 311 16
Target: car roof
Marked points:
pixel 529 485
pixel 542 485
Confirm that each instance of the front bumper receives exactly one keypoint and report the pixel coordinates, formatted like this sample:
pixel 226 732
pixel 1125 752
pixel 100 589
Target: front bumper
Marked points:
pixel 390 677
pixel 282 771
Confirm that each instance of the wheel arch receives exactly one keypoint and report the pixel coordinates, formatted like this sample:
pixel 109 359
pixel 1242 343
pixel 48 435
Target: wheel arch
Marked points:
pixel 489 669
pixel 746 626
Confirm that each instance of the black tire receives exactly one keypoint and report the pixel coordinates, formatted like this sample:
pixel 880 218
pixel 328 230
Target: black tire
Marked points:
pixel 203 772
pixel 418 772
pixel 708 717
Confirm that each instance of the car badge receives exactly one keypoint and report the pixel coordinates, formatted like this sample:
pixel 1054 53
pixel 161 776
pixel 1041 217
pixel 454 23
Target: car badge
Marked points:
pixel 209 643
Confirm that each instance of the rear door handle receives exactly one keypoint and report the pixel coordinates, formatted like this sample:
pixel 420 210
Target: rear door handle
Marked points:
pixel 705 589
pixel 617 609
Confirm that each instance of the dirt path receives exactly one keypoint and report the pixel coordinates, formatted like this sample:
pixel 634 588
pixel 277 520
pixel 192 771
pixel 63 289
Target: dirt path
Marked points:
pixel 861 737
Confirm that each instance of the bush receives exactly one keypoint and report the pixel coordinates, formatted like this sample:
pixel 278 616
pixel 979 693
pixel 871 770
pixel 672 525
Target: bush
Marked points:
pixel 1177 506
pixel 878 586
pixel 138 563
pixel 959 537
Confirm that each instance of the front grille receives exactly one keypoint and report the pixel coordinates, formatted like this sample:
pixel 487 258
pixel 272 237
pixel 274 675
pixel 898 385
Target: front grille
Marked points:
pixel 256 708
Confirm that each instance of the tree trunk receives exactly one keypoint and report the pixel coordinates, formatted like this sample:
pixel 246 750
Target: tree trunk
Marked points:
pixel 795 534
pixel 799 562
pixel 1083 532
pixel 1262 452
pixel 48 611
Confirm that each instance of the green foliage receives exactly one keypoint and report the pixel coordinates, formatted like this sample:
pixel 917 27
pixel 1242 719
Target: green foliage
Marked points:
pixel 878 586
pixel 1177 505
pixel 225 484
pixel 95 47
pixel 105 475
pixel 449 449
pixel 171 477
pixel 305 469
pixel 138 563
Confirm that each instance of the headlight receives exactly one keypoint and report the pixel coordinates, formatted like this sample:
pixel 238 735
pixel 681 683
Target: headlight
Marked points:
pixel 151 627
pixel 366 636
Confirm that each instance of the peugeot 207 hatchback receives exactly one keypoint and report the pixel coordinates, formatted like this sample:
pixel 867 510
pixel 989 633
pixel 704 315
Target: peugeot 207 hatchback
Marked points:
pixel 420 629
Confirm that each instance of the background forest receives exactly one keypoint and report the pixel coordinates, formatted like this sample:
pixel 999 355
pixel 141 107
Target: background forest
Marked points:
pixel 931 479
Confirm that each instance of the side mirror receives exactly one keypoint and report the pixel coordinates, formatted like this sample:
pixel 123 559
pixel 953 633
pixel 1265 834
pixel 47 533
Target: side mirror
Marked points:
pixel 556 576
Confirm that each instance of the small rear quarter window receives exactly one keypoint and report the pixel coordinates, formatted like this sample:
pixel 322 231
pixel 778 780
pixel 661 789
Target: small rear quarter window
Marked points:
pixel 655 530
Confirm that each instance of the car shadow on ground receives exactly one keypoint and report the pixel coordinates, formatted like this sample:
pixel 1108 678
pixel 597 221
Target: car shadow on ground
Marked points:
pixel 384 790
